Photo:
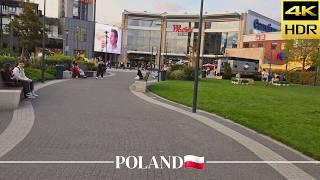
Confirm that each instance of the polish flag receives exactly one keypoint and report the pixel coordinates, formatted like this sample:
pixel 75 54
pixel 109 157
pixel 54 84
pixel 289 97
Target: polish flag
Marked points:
pixel 191 161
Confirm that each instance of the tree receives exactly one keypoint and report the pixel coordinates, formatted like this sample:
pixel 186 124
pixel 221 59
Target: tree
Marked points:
pixel 28 27
pixel 227 71
pixel 302 51
pixel 288 52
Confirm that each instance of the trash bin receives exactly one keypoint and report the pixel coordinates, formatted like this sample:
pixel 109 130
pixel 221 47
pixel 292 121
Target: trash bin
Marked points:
pixel 163 75
pixel 59 71
pixel 204 73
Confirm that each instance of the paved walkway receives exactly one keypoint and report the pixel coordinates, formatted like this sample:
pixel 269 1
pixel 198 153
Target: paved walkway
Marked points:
pixel 96 120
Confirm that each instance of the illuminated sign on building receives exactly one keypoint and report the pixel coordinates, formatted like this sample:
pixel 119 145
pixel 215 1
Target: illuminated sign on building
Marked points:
pixel 180 29
pixel 260 37
pixel 263 27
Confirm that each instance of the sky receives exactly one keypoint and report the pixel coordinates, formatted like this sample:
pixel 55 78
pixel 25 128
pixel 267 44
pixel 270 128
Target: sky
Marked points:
pixel 109 11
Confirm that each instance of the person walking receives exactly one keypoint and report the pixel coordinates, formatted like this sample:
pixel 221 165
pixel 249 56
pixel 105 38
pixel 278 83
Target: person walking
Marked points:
pixel 101 69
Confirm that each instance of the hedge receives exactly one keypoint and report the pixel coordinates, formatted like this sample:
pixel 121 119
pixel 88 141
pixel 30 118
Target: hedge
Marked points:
pixel 299 77
pixel 7 59
pixel 35 74
pixel 181 72
pixel 58 59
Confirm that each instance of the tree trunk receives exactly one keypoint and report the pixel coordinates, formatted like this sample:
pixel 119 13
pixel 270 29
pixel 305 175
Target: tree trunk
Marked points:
pixel 303 64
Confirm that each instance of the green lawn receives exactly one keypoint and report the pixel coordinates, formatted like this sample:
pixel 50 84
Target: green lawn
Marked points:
pixel 288 114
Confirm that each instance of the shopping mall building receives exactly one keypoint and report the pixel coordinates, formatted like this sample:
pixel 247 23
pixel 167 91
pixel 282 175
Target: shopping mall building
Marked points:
pixel 175 36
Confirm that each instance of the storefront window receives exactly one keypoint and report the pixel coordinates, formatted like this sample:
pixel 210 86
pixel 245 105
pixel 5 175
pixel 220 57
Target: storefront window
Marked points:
pixel 217 42
pixel 80 10
pixel 177 43
pixel 75 11
pixel 144 23
pixel 143 40
pixel 223 25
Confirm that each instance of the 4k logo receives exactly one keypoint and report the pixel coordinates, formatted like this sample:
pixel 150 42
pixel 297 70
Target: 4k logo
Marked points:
pixel 300 19
pixel 301 10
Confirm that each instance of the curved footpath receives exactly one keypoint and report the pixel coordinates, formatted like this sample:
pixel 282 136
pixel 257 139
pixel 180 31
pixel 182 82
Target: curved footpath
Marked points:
pixel 96 120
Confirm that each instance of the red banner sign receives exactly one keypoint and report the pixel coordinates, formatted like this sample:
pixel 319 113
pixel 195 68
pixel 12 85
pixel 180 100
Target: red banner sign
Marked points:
pixel 179 28
pixel 260 37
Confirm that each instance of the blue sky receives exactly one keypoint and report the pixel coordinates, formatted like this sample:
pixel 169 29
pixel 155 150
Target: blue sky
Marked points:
pixel 109 11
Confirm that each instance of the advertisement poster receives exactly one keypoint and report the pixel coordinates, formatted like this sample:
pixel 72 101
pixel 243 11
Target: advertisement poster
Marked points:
pixel 113 44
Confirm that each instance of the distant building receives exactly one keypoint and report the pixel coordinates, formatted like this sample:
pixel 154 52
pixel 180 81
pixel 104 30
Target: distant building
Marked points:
pixel 9 9
pixel 77 26
pixel 144 33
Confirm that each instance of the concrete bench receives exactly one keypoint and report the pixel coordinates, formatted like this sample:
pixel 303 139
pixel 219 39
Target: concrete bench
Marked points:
pixel 67 75
pixel 10 97
pixel 90 73
pixel 141 85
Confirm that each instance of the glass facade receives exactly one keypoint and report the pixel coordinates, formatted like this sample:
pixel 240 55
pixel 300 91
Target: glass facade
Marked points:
pixel 177 43
pixel 143 40
pixel 80 34
pixel 223 25
pixel 80 10
pixel 216 39
pixel 217 42
pixel 145 23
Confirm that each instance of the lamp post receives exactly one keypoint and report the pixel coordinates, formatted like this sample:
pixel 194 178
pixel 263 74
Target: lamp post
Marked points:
pixel 273 47
pixel 196 72
pixel 151 57
pixel 106 54
pixel 43 42
pixel 11 34
pixel 160 48
pixel 1 31
pixel 67 44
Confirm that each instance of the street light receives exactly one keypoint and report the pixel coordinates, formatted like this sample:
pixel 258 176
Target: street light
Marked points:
pixel 106 54
pixel 196 72
pixel 43 42
pixel 1 30
pixel 163 20
pixel 273 47
pixel 11 34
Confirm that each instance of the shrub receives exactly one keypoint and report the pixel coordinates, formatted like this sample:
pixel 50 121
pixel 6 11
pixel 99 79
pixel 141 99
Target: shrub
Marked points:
pixel 58 59
pixel 51 70
pixel 181 72
pixel 227 71
pixel 301 77
pixel 7 59
pixel 177 75
pixel 35 74
pixel 189 73
pixel 176 67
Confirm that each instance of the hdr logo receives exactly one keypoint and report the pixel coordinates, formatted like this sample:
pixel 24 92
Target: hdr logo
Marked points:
pixel 159 162
pixel 300 19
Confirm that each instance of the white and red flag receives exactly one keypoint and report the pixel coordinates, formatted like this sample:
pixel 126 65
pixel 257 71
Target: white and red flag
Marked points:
pixel 191 161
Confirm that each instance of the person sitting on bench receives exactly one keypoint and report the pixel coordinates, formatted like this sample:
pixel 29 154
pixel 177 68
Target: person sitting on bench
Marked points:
pixel 7 76
pixel 27 84
pixel 238 78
